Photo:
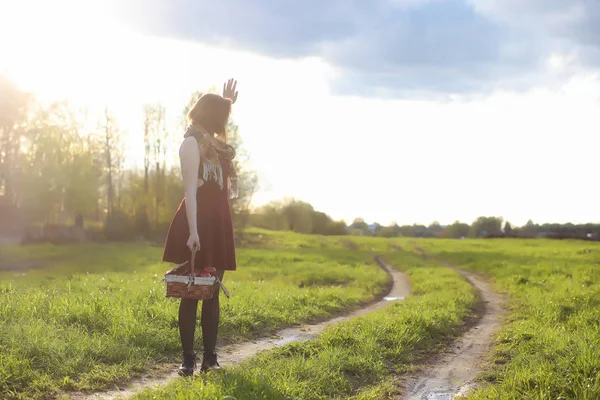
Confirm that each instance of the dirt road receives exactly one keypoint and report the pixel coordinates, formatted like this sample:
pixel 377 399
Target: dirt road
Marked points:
pixel 234 354
pixel 453 372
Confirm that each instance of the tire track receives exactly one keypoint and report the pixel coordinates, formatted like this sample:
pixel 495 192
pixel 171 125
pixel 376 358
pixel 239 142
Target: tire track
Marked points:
pixel 236 353
pixel 453 373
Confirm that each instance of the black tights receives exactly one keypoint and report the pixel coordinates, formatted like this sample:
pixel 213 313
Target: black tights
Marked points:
pixel 209 321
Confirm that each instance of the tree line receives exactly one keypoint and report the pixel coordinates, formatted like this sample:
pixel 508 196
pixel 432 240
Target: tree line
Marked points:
pixel 59 166
pixel 299 216
pixel 295 215
pixel 493 227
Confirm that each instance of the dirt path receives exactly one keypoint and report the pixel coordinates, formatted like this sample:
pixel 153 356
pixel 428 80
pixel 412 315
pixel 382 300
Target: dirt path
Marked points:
pixel 453 372
pixel 236 353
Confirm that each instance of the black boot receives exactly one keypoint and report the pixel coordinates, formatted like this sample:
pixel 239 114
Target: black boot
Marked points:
pixel 209 362
pixel 188 365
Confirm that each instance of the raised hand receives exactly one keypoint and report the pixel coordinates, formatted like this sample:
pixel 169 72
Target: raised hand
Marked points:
pixel 229 91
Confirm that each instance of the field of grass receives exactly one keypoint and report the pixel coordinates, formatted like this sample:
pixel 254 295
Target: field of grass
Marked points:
pixel 550 345
pixel 96 315
pixel 357 359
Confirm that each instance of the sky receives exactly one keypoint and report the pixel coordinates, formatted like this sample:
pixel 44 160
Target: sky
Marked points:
pixel 390 110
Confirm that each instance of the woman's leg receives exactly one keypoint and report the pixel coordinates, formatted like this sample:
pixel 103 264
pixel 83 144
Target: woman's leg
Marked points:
pixel 187 326
pixel 210 326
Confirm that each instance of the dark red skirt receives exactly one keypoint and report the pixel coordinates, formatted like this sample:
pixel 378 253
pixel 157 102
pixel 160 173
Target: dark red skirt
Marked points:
pixel 215 229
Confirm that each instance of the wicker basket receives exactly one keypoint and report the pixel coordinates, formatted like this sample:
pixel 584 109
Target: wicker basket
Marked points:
pixel 184 284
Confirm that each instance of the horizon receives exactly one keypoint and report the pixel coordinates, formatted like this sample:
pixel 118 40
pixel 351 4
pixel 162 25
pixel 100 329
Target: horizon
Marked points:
pixel 436 131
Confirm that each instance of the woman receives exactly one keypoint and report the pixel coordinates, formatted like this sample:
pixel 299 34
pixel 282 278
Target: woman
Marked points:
pixel 202 222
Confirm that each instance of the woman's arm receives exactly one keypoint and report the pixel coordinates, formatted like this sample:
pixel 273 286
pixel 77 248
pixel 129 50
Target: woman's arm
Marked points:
pixel 189 156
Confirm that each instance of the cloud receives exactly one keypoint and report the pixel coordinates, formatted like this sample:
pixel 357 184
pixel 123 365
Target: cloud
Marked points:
pixel 576 20
pixel 391 47
pixel 569 26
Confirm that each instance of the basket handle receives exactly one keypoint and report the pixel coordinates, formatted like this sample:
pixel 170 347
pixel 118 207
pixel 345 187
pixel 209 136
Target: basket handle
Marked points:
pixel 222 287
pixel 192 271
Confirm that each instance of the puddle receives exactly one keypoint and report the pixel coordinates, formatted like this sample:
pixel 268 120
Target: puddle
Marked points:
pixel 391 298
pixel 440 396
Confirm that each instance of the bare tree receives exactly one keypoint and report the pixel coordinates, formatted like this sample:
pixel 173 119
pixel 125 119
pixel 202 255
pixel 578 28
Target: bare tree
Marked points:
pixel 113 157
pixel 159 142
pixel 14 108
pixel 155 154
pixel 148 121
pixel 120 171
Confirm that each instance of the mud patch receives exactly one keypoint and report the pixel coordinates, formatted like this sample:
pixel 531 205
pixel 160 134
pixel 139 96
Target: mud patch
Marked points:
pixel 349 244
pixel 397 248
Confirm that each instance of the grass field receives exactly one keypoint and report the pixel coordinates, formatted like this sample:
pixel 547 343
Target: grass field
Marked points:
pixel 357 359
pixel 550 346
pixel 96 314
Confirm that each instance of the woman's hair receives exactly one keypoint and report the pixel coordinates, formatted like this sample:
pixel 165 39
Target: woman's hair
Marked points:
pixel 211 112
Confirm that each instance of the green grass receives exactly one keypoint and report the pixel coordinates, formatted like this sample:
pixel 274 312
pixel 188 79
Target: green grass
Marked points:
pixel 96 314
pixel 356 359
pixel 550 345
